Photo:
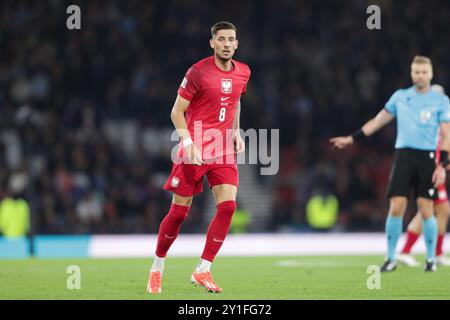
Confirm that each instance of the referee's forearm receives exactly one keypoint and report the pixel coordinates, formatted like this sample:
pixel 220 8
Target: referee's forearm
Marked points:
pixel 370 127
pixel 376 123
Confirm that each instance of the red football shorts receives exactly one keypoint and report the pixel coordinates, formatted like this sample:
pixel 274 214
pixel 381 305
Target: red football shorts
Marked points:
pixel 442 194
pixel 187 179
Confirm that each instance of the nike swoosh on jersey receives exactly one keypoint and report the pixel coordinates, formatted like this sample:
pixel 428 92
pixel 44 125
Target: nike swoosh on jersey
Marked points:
pixel 224 98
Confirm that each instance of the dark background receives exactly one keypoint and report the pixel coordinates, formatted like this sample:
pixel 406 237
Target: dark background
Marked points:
pixel 85 119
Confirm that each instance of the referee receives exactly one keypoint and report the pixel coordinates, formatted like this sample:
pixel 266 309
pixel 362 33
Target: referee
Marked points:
pixel 422 115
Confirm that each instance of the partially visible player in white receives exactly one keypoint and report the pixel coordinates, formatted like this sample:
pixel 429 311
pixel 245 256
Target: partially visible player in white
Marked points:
pixel 414 230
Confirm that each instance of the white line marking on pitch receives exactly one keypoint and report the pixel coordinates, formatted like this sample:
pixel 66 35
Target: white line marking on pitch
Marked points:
pixel 321 264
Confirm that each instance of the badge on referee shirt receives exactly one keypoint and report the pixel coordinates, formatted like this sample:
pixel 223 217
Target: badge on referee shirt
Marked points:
pixel 425 116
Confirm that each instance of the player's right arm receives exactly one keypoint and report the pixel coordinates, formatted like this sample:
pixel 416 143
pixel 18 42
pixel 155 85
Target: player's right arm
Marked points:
pixel 369 128
pixel 179 121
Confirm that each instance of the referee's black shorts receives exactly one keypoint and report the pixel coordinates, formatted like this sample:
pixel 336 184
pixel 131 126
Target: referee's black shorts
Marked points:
pixel 412 171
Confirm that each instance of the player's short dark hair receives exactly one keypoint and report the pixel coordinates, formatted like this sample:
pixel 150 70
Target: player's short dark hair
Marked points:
pixel 222 25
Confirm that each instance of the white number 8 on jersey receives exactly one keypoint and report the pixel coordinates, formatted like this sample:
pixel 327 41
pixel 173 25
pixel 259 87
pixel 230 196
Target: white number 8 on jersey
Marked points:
pixel 222 114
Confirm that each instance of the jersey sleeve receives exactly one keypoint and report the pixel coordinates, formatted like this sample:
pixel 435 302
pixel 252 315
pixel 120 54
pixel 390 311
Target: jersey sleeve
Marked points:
pixel 244 88
pixel 444 115
pixel 190 84
pixel 391 105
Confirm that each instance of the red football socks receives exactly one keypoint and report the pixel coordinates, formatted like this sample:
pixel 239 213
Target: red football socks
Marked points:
pixel 440 241
pixel 411 239
pixel 218 229
pixel 170 227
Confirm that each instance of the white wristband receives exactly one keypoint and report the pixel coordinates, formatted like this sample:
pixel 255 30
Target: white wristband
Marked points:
pixel 187 142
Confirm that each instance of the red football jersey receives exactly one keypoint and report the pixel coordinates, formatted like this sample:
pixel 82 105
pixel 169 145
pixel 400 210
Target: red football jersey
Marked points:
pixel 213 95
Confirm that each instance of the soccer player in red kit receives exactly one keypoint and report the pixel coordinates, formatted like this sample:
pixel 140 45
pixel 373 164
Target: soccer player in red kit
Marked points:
pixel 206 117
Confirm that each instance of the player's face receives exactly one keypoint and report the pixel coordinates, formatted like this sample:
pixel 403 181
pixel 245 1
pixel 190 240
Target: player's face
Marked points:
pixel 224 44
pixel 421 74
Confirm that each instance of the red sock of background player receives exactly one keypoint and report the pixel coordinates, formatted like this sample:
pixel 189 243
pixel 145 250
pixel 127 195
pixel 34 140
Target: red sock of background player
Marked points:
pixel 216 234
pixel 168 232
pixel 440 241
pixel 411 239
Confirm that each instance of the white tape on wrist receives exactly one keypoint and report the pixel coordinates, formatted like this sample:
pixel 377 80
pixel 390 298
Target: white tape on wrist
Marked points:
pixel 187 142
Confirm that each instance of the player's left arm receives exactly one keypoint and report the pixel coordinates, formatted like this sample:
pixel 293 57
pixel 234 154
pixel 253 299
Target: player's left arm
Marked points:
pixel 239 144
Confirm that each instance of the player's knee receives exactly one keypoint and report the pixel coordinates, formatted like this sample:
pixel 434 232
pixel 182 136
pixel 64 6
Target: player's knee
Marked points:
pixel 425 207
pixel 427 215
pixel 397 208
pixel 426 212
pixel 182 201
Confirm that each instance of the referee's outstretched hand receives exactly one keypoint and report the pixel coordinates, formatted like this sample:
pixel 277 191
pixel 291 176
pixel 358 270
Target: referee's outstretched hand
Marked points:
pixel 341 142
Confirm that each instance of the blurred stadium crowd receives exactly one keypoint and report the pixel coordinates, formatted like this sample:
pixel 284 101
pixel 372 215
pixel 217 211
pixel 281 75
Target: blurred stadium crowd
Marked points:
pixel 85 127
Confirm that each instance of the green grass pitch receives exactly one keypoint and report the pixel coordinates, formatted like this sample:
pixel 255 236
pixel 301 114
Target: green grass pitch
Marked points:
pixel 253 278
